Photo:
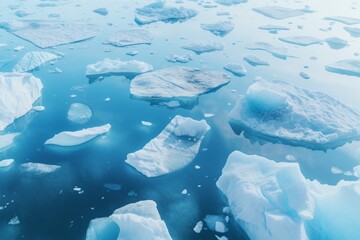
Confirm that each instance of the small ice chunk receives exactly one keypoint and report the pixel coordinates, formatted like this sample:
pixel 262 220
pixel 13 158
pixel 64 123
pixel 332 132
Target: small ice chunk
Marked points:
pixel 7 140
pixel 221 28
pixel 132 53
pixel 101 11
pixel 345 20
pixel 112 186
pixel 348 67
pixel 38 169
pixel 184 192
pixel 171 150
pixel 230 2
pixel 179 58
pixel 301 40
pixel 19 48
pixel 198 227
pixel 129 37
pixel 216 223
pixel 3 45
pixel 336 43
pixel 208 115
pixel 278 12
pixel 304 75
pixel 14 221
pixel 236 69
pixel 354 32
pixel 290 158
pixel 79 113
pixel 279 52
pixel 145 123
pixel 38 108
pixel 32 60
pixel 271 27
pixel 255 61
pixel 336 170
pixel 68 139
pixel 200 48
pixel 107 99
pixel 6 163
pixel 158 11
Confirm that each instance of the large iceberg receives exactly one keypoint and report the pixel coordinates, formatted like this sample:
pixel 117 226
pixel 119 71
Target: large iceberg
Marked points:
pixel 136 221
pixel 348 67
pixel 221 28
pixel 301 40
pixel 272 200
pixel 200 48
pixel 79 113
pixel 174 148
pixel 32 60
pixel 18 91
pixel 38 169
pixel 177 82
pixel 158 11
pixel 279 12
pixel 68 139
pixel 279 112
pixel 46 34
pixel 118 67
pixel 279 52
pixel 129 37
pixel 7 140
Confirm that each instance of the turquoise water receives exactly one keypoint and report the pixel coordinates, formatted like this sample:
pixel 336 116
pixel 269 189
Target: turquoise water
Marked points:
pixel 49 208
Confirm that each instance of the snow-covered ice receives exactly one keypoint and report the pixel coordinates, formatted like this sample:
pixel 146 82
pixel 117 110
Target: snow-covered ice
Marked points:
pixel 236 69
pixel 177 82
pixel 221 28
pixel 118 67
pixel 200 48
pixel 279 12
pixel 174 148
pixel 79 113
pixel 38 169
pixel 279 52
pixel 348 67
pixel 32 60
pixel 279 112
pixel 68 139
pixel 301 40
pixel 135 221
pixel 345 20
pixel 129 37
pixel 158 11
pixel 7 140
pixel 255 61
pixel 18 91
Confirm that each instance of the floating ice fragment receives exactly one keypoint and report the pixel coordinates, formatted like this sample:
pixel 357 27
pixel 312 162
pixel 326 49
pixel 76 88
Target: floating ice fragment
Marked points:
pixel 38 108
pixel 216 223
pixel 336 43
pixel 200 48
pixel 255 61
pixel 130 37
pixel 172 149
pixel 14 221
pixel 230 2
pixel 304 75
pixel 274 111
pixel 198 227
pixel 221 28
pixel 148 124
pixel 279 52
pixel 38 169
pixel 354 32
pixel 276 28
pixel 236 69
pixel 336 170
pixel 6 163
pixel 279 12
pixel 7 140
pixel 301 40
pixel 348 67
pixel 101 11
pixel 184 192
pixel 79 113
pixel 18 91
pixel 68 139
pixel 345 20
pixel 178 58
pixel 208 115
pixel 19 48
pixel 32 60
pixel 157 11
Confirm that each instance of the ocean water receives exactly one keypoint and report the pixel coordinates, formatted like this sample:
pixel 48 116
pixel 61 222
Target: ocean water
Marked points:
pixel 49 208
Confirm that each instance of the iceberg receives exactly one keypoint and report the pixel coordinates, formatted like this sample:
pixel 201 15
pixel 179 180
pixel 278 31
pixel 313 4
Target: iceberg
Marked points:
pixel 69 139
pixel 136 221
pixel 7 140
pixel 45 34
pixel 255 61
pixel 32 60
pixel 279 52
pixel 349 67
pixel 230 2
pixel 221 28
pixel 354 32
pixel 345 20
pixel 6 163
pixel 279 112
pixel 79 113
pixel 174 148
pixel 336 43
pixel 38 169
pixel 179 58
pixel 18 91
pixel 177 82
pixel 118 67
pixel 279 12
pixel 236 69
pixel 200 48
pixel 301 40
pixel 157 11
pixel 129 37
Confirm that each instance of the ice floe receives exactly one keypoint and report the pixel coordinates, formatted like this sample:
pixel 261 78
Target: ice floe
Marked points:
pixel 174 148
pixel 279 12
pixel 7 140
pixel 79 113
pixel 38 169
pixel 18 91
pixel 279 52
pixel 32 60
pixel 255 61
pixel 68 139
pixel 177 82
pixel 46 34
pixel 280 112
pixel 179 58
pixel 273 28
pixel 345 20
pixel 348 67
pixel 221 28
pixel 135 221
pixel 230 2
pixel 200 48
pixel 117 67
pixel 236 69
pixel 158 11
pixel 6 163
pixel 354 32
pixel 129 37
pixel 336 43
pixel 301 40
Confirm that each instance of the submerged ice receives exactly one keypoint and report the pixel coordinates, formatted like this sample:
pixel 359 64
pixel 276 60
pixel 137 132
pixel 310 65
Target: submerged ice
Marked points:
pixel 32 60
pixel 280 112
pixel 38 169
pixel 79 113
pixel 174 148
